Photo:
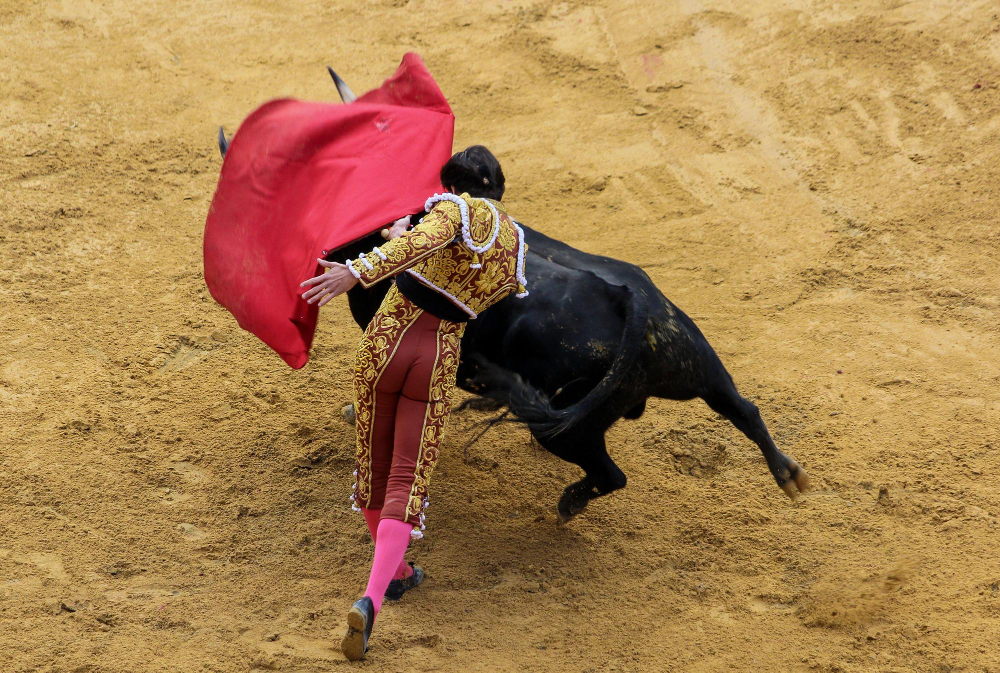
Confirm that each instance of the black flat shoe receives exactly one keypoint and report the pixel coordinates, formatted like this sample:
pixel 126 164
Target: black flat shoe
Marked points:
pixel 359 628
pixel 397 588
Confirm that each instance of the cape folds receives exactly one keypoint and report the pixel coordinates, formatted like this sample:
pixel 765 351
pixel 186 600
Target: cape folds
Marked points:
pixel 300 179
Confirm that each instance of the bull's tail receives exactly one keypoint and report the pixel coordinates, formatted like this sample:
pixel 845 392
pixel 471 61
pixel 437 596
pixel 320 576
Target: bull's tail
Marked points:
pixel 534 408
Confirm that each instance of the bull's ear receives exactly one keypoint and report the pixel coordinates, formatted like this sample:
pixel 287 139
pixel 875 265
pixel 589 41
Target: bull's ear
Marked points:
pixel 345 92
pixel 223 143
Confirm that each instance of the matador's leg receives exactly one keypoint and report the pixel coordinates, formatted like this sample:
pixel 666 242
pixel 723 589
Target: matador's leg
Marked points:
pixel 423 409
pixel 383 427
pixel 378 378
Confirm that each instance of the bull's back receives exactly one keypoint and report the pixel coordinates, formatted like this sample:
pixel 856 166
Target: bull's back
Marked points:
pixel 562 337
pixel 674 352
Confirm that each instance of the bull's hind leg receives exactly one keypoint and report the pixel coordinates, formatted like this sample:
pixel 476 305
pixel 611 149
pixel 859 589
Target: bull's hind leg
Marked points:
pixel 744 415
pixel 588 450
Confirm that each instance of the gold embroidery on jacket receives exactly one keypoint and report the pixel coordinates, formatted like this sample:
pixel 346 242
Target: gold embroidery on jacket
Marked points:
pixel 434 250
pixel 439 228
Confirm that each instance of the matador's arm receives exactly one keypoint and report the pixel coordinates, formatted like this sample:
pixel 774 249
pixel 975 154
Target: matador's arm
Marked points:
pixel 438 229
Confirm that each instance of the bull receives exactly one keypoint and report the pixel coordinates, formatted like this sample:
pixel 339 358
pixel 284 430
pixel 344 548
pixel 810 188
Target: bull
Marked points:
pixel 590 344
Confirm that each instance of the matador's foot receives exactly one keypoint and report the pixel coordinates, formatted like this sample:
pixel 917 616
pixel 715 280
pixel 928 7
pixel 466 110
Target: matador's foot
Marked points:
pixel 360 620
pixel 397 588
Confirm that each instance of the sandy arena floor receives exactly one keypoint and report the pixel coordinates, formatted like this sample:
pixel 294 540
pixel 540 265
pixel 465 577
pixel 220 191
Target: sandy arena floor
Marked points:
pixel 816 182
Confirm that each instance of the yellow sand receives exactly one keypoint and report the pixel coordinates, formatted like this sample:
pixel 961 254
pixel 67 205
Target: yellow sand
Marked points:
pixel 814 182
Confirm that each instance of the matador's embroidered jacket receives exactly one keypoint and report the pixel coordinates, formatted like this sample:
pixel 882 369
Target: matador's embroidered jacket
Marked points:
pixel 465 255
pixel 468 250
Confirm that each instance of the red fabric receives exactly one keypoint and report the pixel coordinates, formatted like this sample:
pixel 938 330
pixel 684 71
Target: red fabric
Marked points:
pixel 303 178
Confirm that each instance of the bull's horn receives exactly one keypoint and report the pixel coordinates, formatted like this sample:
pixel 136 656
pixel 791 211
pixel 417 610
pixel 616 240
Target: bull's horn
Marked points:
pixel 223 143
pixel 345 92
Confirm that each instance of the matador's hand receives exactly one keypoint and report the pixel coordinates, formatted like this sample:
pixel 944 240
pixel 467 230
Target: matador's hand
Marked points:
pixel 398 228
pixel 337 280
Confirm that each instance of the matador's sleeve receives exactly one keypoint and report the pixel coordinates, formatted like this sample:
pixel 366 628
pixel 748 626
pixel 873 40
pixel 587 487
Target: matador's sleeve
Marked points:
pixel 438 229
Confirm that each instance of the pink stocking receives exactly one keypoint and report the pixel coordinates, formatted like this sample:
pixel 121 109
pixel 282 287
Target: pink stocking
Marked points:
pixel 372 518
pixel 390 546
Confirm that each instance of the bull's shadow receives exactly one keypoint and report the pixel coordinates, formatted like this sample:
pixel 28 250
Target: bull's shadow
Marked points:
pixel 594 339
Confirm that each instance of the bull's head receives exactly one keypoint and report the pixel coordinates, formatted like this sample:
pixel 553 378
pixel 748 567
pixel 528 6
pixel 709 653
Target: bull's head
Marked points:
pixel 345 92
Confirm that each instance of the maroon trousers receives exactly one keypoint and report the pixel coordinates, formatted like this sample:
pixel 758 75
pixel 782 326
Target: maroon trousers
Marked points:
pixel 404 381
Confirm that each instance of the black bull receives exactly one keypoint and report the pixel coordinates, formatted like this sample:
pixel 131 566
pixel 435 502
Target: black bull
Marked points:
pixel 593 340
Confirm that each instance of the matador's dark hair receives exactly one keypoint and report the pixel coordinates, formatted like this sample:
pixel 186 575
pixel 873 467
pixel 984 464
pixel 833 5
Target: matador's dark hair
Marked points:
pixel 474 170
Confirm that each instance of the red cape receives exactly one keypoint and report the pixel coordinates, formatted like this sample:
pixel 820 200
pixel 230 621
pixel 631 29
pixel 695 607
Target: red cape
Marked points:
pixel 300 179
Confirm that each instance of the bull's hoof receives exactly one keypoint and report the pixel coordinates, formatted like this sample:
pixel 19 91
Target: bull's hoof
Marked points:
pixel 563 515
pixel 793 480
pixel 574 500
